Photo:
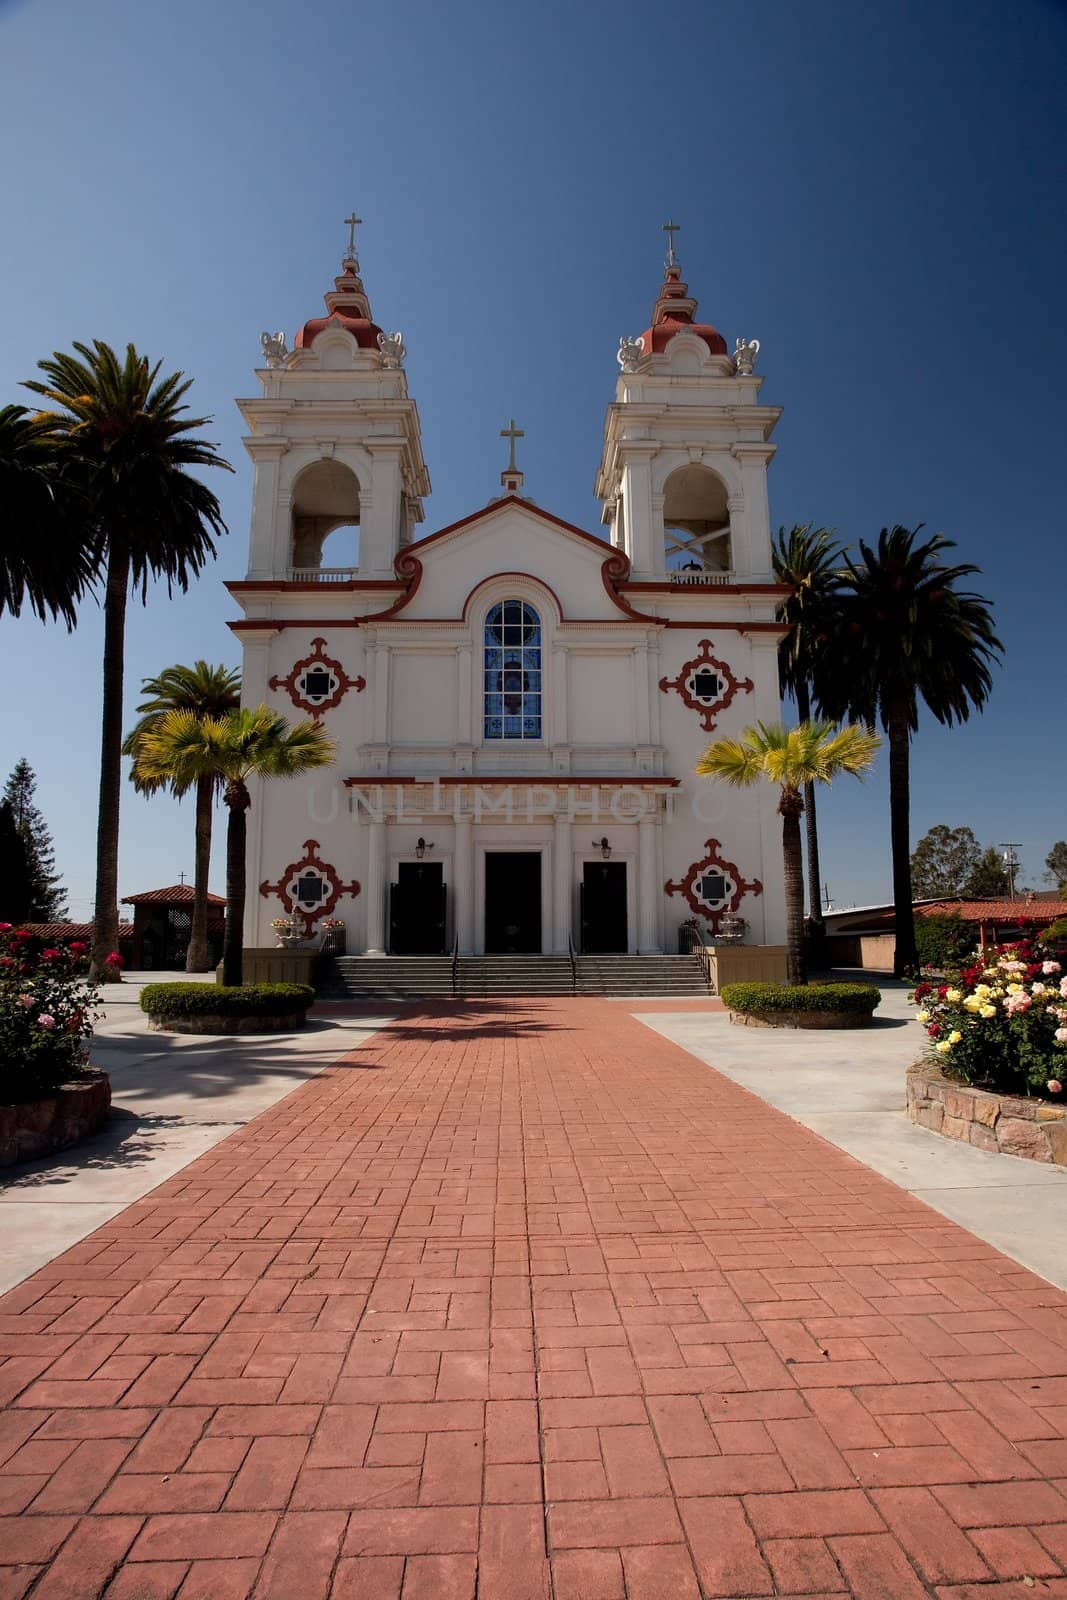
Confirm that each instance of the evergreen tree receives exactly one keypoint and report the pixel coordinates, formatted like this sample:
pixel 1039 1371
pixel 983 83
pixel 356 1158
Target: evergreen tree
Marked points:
pixel 989 877
pixel 14 874
pixel 47 900
pixel 1056 865
pixel 943 861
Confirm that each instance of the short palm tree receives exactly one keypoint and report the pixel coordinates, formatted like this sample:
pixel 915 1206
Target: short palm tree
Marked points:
pixel 46 562
pixel 808 560
pixel 123 432
pixel 206 691
pixel 182 748
pixel 906 634
pixel 791 758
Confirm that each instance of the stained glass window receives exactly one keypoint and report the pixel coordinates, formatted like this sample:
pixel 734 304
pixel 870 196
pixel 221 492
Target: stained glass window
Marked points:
pixel 513 672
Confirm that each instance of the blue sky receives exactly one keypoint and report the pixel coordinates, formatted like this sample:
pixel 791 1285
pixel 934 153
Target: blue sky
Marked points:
pixel 875 192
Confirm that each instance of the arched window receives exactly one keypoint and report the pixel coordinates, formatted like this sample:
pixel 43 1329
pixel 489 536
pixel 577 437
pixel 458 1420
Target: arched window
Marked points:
pixel 513 671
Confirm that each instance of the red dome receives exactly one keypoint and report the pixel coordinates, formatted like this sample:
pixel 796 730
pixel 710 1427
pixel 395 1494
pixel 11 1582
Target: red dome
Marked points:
pixel 673 313
pixel 347 307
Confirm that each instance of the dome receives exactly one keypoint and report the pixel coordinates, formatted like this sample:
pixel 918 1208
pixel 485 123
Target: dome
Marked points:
pixel 673 313
pixel 347 307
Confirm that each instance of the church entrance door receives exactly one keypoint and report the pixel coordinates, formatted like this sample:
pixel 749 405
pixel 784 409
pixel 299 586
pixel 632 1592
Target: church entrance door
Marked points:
pixel 417 910
pixel 512 902
pixel 603 907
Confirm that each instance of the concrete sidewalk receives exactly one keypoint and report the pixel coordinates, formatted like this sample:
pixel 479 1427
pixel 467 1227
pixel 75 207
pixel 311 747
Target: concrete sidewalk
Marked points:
pixel 849 1087
pixel 173 1097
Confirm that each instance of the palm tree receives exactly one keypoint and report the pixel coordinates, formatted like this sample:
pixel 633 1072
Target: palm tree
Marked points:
pixel 207 692
pixel 808 560
pixel 123 430
pixel 906 634
pixel 45 559
pixel 182 748
pixel 814 752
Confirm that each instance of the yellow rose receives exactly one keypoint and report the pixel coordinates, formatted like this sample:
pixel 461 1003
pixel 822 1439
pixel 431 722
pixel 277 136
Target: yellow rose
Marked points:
pixel 971 1003
pixel 942 1047
pixel 923 1016
pixel 1015 988
pixel 953 996
pixel 955 1036
pixel 987 1011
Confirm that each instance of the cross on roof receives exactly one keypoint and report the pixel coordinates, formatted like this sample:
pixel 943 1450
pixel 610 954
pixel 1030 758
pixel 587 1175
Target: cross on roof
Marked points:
pixel 181 877
pixel 512 433
pixel 352 223
pixel 671 228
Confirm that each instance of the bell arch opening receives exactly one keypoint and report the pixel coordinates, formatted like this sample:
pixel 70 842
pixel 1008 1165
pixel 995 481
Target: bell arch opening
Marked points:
pixel 325 517
pixel 696 521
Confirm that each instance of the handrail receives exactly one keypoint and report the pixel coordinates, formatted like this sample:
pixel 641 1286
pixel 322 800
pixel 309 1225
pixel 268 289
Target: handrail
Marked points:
pixel 707 947
pixel 574 964
pixel 455 962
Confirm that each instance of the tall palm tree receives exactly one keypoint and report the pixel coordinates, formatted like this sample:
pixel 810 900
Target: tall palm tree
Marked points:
pixel 814 752
pixel 906 634
pixel 46 562
pixel 183 747
pixel 124 431
pixel 207 692
pixel 808 560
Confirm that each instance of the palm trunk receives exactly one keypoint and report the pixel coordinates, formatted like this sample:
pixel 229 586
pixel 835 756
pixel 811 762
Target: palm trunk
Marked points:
pixel 237 802
pixel 790 807
pixel 198 958
pixel 811 827
pixel 906 959
pixel 106 903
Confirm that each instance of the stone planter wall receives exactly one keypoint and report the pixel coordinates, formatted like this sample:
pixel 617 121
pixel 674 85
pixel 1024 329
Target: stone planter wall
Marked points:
pixel 1032 1128
pixel 41 1127
pixel 802 1019
pixel 210 1024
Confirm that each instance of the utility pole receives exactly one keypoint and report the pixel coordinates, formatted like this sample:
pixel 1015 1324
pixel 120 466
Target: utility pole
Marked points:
pixel 1011 864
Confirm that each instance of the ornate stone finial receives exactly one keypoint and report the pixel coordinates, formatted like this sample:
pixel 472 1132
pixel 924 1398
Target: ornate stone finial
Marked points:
pixel 393 348
pixel 631 353
pixel 670 229
pixel 274 349
pixel 352 223
pixel 745 355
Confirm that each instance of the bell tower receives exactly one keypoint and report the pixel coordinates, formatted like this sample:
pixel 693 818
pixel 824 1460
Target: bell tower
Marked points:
pixel 336 444
pixel 683 474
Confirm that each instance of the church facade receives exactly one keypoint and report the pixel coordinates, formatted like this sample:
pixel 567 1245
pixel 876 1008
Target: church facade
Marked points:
pixel 518 703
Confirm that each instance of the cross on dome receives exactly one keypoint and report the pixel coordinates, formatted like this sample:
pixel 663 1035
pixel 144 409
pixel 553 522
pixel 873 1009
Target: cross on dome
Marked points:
pixel 511 477
pixel 670 228
pixel 352 223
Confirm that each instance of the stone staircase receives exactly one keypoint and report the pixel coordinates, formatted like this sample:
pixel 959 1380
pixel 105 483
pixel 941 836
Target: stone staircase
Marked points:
pixel 406 977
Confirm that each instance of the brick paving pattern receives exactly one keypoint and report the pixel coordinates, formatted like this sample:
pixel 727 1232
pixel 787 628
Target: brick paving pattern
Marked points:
pixel 521 1301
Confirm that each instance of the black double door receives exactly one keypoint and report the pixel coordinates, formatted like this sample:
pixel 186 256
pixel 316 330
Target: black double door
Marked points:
pixel 603 908
pixel 512 902
pixel 417 910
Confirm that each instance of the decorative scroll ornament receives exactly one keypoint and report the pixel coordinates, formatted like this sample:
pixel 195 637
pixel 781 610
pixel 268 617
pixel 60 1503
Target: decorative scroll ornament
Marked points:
pixel 713 887
pixel 745 353
pixel 317 682
pixel 309 888
pixel 393 348
pixel 631 353
pixel 274 350
pixel 706 685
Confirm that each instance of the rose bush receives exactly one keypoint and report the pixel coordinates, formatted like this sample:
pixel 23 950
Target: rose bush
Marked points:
pixel 47 1011
pixel 1000 1022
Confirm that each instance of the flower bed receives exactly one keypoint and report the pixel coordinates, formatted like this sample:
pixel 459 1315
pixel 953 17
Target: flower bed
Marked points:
pixel 218 1008
pixel 1000 1023
pixel 1016 1127
pixel 812 1005
pixel 47 1010
pixel 69 1114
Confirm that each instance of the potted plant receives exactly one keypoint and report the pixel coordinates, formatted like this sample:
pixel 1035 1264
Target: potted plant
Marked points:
pixel 287 932
pixel 333 935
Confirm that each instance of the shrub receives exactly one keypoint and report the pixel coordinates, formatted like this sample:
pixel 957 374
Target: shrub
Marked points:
pixel 47 1011
pixel 1001 1023
pixel 943 941
pixel 220 1000
pixel 756 997
pixel 1056 934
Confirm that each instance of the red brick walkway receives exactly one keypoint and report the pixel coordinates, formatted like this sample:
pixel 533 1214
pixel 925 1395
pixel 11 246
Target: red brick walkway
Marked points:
pixel 522 1301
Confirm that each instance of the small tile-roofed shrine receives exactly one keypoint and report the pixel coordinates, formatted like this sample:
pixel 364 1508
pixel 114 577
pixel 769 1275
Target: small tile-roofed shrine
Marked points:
pixel 162 920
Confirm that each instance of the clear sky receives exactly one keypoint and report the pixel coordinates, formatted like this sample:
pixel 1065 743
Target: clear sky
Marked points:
pixel 875 191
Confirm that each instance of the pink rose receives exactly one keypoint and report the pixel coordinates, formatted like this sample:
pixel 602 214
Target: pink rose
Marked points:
pixel 45 1020
pixel 1048 967
pixel 26 1001
pixel 1054 1086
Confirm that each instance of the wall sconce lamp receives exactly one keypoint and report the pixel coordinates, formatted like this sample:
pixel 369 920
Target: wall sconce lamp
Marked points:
pixel 603 846
pixel 421 847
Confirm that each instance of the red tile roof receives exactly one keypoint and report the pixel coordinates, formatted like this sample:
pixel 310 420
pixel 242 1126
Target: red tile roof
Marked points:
pixel 179 894
pixel 995 910
pixel 67 931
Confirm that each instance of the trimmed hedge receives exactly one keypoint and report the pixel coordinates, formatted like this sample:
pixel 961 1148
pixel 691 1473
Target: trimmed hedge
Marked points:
pixel 757 997
pixel 221 1000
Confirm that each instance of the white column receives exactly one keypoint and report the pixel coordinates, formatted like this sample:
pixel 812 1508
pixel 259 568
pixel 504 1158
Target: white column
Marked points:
pixel 380 690
pixel 557 731
pixel 374 888
pixel 464 886
pixel 465 709
pixel 647 896
pixel 562 891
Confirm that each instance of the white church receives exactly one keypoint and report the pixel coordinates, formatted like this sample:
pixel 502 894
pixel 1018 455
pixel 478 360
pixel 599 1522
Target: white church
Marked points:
pixel 518 703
